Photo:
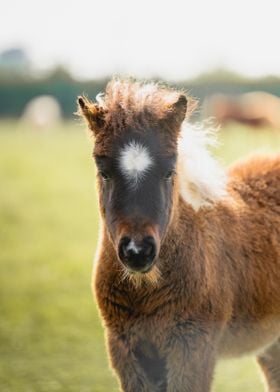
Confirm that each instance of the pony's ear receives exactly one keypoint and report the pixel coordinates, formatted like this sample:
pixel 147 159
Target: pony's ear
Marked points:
pixel 181 108
pixel 92 113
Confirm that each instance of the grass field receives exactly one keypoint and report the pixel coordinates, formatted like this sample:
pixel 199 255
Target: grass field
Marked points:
pixel 51 338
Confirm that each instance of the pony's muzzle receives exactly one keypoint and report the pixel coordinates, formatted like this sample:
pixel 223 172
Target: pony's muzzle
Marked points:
pixel 137 256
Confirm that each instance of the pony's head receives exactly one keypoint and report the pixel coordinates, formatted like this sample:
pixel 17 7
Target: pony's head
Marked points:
pixel 136 128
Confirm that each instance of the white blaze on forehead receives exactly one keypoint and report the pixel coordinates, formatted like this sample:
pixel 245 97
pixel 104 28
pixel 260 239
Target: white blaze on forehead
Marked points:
pixel 135 160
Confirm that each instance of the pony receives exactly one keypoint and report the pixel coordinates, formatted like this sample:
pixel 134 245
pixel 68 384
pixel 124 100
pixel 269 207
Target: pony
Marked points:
pixel 187 269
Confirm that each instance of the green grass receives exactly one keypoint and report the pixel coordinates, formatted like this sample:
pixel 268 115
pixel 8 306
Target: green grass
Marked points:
pixel 51 338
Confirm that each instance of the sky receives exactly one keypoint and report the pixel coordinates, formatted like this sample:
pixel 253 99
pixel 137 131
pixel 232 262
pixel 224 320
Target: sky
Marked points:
pixel 170 39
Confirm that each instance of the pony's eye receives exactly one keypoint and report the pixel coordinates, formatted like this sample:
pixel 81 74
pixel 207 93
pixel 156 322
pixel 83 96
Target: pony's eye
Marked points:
pixel 169 174
pixel 105 176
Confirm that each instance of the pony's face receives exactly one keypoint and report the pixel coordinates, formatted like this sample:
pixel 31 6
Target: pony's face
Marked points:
pixel 137 178
pixel 136 127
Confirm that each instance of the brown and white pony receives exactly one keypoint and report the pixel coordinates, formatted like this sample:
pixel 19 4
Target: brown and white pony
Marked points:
pixel 188 265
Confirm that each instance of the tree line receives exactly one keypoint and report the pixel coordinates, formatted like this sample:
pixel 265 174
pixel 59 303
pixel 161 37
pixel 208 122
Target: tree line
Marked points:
pixel 17 90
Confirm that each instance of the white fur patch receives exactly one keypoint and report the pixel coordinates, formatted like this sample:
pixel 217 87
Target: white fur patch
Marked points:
pixel 202 179
pixel 135 160
pixel 132 246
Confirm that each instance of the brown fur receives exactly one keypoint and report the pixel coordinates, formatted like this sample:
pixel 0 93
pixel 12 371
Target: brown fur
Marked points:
pixel 219 288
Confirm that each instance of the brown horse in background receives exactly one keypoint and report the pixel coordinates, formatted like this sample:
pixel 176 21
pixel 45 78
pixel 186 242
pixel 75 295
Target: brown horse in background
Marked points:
pixel 257 109
pixel 188 265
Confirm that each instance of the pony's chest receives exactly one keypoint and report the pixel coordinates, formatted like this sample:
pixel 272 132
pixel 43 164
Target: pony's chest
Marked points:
pixel 141 314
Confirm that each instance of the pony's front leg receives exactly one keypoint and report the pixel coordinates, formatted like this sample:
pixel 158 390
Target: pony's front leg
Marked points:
pixel 131 375
pixel 190 360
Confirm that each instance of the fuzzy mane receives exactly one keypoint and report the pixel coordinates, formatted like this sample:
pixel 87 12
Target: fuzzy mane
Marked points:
pixel 129 102
pixel 202 180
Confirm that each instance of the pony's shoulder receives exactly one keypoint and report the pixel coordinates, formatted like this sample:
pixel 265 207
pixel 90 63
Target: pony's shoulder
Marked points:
pixel 257 178
pixel 260 166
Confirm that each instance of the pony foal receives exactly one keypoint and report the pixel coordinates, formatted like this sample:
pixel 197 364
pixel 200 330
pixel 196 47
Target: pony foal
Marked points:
pixel 188 266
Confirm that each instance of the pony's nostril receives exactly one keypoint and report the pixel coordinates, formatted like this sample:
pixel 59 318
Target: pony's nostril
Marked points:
pixel 149 248
pixel 123 247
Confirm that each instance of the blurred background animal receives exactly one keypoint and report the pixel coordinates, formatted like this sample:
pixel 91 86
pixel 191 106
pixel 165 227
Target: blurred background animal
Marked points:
pixel 257 109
